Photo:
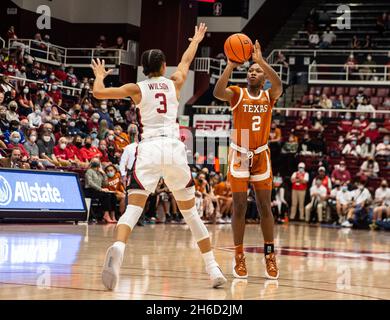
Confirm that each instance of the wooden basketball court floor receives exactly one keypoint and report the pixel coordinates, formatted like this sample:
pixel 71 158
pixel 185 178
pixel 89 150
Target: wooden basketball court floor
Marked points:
pixel 162 262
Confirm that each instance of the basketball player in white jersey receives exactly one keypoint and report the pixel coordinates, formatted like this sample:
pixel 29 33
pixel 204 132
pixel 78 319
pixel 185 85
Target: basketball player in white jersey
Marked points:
pixel 160 153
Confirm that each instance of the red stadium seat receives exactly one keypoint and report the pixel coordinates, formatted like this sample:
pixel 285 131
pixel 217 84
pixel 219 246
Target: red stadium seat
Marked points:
pixel 375 101
pixel 340 90
pixel 327 90
pixel 353 91
pixel 382 92
pixel 368 92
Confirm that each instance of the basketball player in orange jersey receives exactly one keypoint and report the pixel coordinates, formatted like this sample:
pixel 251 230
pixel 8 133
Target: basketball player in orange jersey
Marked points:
pixel 249 156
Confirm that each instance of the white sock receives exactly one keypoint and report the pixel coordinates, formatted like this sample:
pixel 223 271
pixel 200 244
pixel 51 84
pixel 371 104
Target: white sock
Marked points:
pixel 209 259
pixel 120 245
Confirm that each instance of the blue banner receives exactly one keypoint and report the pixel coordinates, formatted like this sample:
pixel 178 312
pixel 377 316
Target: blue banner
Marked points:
pixel 40 191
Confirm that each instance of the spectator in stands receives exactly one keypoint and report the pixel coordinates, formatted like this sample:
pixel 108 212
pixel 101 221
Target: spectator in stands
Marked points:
pixel 25 102
pixel 364 122
pixel 351 66
pixel 352 148
pixel 102 146
pixel 356 131
pixel 331 208
pixel 89 151
pixel 93 122
pixel 383 148
pixel 317 144
pixel 325 102
pixel 343 201
pixel 318 122
pixel 46 148
pixel 372 132
pixel 31 144
pixel 14 126
pixel 381 23
pixel 34 118
pixel 382 204
pixel 103 113
pixel 4 123
pixel 290 146
pixel 338 103
pixel 56 95
pixel 223 192
pixel 299 180
pixel 96 186
pixel 318 195
pixel 279 118
pixel 341 173
pixel 115 183
pixel 336 148
pixel 279 205
pixel 305 145
pixel 76 150
pixel 281 59
pixel 275 136
pixel 14 161
pixel 369 168
pixel 121 138
pixel 366 106
pixel 48 112
pixel 15 142
pixel 346 123
pixel 368 45
pixel 11 114
pixel 327 38
pixel 360 199
pixel 355 43
pixel 368 67
pixel 367 148
pixel 104 131
pixel 303 122
pixel 64 154
pixel 325 179
pixel 314 40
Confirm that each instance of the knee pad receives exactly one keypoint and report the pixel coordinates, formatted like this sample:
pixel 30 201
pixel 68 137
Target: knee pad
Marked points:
pixel 198 229
pixel 184 194
pixel 131 216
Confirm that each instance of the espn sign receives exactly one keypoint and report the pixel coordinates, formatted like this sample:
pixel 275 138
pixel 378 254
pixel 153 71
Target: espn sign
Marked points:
pixel 207 125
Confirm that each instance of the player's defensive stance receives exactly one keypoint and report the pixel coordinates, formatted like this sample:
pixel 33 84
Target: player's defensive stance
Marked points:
pixel 160 153
pixel 249 156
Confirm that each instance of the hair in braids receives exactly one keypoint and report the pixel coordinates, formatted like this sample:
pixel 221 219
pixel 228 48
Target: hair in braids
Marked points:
pixel 152 61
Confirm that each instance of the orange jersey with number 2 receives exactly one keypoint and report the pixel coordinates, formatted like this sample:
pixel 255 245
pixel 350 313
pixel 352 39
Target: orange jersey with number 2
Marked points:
pixel 251 128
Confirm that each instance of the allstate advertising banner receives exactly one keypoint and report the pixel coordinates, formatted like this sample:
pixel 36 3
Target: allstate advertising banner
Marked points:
pixel 40 191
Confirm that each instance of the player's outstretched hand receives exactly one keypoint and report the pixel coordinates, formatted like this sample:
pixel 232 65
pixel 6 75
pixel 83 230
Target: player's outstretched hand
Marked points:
pixel 199 33
pixel 99 68
pixel 257 56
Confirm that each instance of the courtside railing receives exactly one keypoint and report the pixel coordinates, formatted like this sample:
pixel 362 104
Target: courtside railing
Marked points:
pixel 76 57
pixel 273 56
pixel 346 74
pixel 215 68
pixel 329 113
pixel 17 82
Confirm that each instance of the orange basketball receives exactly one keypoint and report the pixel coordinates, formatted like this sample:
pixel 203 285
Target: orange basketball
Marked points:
pixel 238 48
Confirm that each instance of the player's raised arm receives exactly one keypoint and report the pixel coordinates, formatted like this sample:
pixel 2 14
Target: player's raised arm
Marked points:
pixel 180 75
pixel 277 86
pixel 221 90
pixel 101 92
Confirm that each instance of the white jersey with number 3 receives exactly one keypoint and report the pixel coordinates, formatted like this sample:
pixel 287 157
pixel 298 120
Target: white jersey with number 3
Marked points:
pixel 158 108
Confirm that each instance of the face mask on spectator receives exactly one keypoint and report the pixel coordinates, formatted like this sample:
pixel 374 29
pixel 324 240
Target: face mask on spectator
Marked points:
pixel 372 126
pixel 10 69
pixel 362 118
pixel 111 174
pixel 104 107
pixel 386 142
pixel 54 88
pixel 33 138
pixel 341 140
pixel 95 120
pixel 347 117
pixel 37 112
pixel 15 140
pixel 54 122
pixel 344 188
pixel 361 187
pixel 13 109
pixel 384 185
pixel 86 107
pixel 83 120
pixel 25 91
pixel 63 146
pixel 103 147
pixel 194 174
pixel 111 137
pixel 78 144
pixel 368 141
pixel 354 142
pixel 301 169
pixel 72 124
pixel 52 76
pixel 88 145
pixel 94 135
pixel 46 138
pixel 95 164
pixel 43 72
pixel 337 185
